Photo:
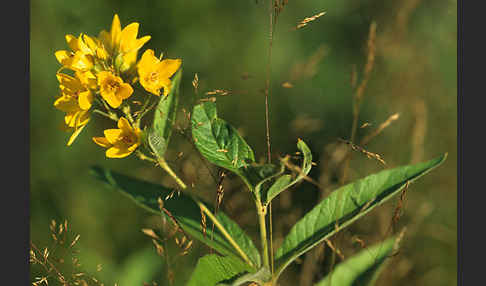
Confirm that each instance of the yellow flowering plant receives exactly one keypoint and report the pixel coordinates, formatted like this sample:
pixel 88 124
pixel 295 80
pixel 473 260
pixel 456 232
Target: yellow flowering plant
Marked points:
pixel 99 74
pixel 104 73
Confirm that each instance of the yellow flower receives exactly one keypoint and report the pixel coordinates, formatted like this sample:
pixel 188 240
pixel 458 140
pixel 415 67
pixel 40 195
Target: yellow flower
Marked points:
pixel 75 119
pixel 80 59
pixel 120 142
pixel 113 89
pixel 75 115
pixel 123 42
pixel 78 44
pixel 84 51
pixel 76 100
pixel 155 74
pixel 72 87
pixel 74 61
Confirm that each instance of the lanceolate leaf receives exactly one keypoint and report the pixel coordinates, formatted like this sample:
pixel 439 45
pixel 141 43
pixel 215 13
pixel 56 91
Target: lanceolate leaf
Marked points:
pixel 218 141
pixel 164 118
pixel 286 181
pixel 346 205
pixel 183 208
pixel 214 269
pixel 363 268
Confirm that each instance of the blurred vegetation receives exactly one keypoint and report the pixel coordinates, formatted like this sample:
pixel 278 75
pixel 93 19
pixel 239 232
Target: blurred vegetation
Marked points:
pixel 225 43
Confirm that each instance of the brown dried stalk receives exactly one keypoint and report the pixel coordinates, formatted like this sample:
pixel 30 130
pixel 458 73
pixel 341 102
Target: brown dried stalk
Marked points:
pixel 360 149
pixel 307 20
pixel 380 128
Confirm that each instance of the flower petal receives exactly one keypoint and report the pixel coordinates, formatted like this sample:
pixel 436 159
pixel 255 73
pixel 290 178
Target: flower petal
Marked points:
pixel 75 135
pixel 150 86
pixel 115 152
pixel 85 99
pixel 112 135
pixel 70 119
pixel 69 84
pixel 153 90
pixel 63 57
pixel 64 79
pixel 83 47
pixel 125 91
pixel 102 141
pixel 66 104
pixel 124 125
pixel 147 62
pixel 140 42
pixel 82 118
pixel 102 76
pixel 168 67
pixel 133 147
pixel 128 60
pixel 115 31
pixel 128 37
pixel 72 42
pixel 113 100
pixel 90 42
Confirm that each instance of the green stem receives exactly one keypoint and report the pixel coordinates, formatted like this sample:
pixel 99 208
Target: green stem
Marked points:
pixel 105 105
pixel 111 116
pixel 223 231
pixel 261 211
pixel 163 164
pixel 142 156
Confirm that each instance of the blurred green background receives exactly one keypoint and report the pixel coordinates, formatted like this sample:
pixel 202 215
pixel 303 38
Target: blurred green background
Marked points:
pixel 225 43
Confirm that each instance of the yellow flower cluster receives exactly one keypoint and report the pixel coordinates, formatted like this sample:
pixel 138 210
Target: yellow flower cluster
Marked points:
pixel 101 72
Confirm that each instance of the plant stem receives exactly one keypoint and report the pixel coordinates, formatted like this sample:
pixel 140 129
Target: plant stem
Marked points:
pixel 163 164
pixel 111 116
pixel 223 231
pixel 267 123
pixel 261 211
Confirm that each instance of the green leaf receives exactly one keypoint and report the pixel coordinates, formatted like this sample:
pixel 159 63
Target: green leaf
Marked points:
pixel 219 142
pixel 164 118
pixel 363 268
pixel 285 182
pixel 346 205
pixel 214 269
pixel 260 277
pixel 184 209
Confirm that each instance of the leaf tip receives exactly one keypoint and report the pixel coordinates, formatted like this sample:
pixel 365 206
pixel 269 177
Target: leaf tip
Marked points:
pixel 442 158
